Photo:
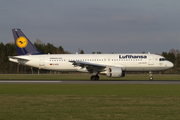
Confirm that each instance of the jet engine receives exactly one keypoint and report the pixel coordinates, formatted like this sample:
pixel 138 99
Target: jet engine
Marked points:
pixel 115 72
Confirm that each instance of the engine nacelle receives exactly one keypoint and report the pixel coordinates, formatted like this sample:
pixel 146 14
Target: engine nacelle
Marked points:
pixel 115 72
pixel 82 70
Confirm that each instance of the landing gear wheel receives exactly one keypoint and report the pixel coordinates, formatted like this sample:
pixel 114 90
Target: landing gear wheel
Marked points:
pixel 92 78
pixel 95 77
pixel 151 78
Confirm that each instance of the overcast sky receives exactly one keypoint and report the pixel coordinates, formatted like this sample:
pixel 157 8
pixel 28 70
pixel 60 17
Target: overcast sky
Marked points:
pixel 118 26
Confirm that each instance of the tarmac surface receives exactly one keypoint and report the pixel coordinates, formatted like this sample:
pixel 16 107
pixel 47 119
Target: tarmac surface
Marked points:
pixel 156 82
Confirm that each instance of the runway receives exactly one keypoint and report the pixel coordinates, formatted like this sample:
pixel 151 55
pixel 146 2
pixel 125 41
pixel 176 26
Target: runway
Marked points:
pixel 160 82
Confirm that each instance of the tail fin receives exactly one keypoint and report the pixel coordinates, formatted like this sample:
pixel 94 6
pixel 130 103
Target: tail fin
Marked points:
pixel 23 44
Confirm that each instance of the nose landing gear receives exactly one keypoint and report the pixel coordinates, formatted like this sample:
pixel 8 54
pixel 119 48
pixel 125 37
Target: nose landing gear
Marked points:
pixel 150 75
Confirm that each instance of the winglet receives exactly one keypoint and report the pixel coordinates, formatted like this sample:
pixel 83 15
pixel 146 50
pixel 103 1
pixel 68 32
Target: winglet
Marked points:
pixel 23 44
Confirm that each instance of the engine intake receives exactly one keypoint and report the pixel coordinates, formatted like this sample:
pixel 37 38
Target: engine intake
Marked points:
pixel 115 72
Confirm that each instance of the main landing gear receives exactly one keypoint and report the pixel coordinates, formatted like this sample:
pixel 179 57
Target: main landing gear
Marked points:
pixel 95 77
pixel 150 75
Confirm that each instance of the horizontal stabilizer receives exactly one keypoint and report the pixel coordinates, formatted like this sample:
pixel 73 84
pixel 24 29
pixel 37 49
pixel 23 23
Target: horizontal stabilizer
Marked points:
pixel 16 57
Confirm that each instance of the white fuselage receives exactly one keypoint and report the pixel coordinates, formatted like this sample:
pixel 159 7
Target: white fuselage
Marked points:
pixel 128 62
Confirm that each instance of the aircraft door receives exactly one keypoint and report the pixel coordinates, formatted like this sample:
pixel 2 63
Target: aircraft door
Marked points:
pixel 41 61
pixel 150 60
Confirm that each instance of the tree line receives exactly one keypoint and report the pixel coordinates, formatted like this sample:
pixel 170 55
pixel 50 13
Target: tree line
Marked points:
pixel 174 57
pixel 9 49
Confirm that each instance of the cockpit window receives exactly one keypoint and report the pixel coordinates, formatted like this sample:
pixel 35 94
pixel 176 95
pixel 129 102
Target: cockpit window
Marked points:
pixel 162 59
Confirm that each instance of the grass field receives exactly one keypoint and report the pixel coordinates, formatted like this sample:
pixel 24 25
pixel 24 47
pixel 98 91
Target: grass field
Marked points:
pixel 84 77
pixel 88 102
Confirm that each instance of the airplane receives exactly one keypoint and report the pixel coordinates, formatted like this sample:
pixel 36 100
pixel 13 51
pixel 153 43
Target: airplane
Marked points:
pixel 111 65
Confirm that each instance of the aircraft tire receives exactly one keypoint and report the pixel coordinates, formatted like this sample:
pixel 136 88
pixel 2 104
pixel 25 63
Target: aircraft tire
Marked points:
pixel 95 77
pixel 151 78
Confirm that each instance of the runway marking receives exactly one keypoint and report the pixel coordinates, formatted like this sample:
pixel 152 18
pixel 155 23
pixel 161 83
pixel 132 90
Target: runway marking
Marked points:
pixel 29 81
pixel 163 82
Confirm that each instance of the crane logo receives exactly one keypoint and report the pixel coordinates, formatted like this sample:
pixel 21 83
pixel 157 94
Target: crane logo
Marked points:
pixel 21 42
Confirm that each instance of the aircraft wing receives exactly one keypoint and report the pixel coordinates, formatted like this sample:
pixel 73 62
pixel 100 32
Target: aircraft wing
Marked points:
pixel 91 67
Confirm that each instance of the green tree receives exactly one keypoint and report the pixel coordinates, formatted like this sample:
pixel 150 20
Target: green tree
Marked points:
pixel 40 47
pixel 99 52
pixel 2 57
pixel 164 54
pixel 171 57
pixel 81 52
pixel 178 60
pixel 10 50
pixel 60 50
pixel 49 48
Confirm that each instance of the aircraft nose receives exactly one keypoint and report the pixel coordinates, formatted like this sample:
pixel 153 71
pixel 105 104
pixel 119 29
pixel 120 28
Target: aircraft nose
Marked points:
pixel 170 64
